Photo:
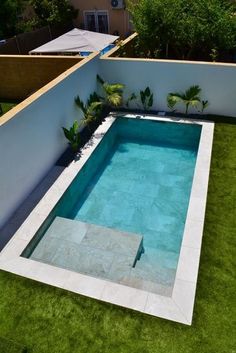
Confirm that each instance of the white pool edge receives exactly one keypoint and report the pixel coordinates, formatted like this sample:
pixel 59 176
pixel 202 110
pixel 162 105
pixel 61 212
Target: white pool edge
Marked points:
pixel 180 306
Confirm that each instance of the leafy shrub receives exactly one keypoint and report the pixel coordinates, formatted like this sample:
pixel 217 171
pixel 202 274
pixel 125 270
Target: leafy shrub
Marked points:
pixel 72 135
pixel 91 110
pixel 146 99
pixel 113 93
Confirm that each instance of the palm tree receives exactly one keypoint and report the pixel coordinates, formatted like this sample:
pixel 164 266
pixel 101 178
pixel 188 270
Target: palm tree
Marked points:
pixel 191 98
pixel 113 93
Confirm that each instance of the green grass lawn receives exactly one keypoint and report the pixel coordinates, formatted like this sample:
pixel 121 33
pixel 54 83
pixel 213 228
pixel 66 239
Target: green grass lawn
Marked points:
pixel 6 106
pixel 48 320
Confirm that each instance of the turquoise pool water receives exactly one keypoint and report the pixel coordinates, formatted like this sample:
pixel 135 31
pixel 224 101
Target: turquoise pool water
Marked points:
pixel 143 189
pixel 138 180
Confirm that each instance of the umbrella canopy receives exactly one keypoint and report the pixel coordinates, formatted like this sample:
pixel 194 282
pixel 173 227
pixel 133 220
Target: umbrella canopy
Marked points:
pixel 76 41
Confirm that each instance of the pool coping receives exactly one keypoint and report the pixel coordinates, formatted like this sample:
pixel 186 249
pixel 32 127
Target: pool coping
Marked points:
pixel 179 307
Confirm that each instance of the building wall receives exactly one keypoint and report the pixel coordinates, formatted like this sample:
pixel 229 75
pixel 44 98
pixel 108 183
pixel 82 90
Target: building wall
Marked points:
pixel 118 19
pixel 217 81
pixel 31 138
pixel 20 76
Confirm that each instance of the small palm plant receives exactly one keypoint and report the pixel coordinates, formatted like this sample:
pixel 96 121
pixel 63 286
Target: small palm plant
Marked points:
pixel 191 98
pixel 91 110
pixel 72 135
pixel 113 93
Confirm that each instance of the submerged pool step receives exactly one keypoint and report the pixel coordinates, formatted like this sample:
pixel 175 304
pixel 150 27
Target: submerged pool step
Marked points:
pixel 88 248
pixel 155 272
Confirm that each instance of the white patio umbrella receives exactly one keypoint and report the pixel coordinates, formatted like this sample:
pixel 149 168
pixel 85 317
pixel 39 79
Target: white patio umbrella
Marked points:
pixel 76 41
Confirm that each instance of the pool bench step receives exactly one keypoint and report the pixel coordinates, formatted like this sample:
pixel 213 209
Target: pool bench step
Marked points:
pixel 88 248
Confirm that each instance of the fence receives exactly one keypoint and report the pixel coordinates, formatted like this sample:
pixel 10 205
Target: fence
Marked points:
pixel 22 75
pixel 24 42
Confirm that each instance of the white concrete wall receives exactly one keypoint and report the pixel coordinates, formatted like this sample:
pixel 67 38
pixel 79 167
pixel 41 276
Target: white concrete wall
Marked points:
pixel 217 81
pixel 33 140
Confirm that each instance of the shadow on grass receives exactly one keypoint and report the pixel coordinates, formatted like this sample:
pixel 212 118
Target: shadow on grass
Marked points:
pixel 9 346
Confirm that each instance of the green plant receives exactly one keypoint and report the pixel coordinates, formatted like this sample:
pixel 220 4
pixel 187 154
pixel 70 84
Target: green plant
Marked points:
pixel 132 97
pixel 214 54
pixel 53 11
pixel 146 98
pixel 9 17
pixel 171 102
pixel 190 98
pixel 113 93
pixel 92 110
pixel 204 105
pixel 183 29
pixel 72 135
pixel 94 97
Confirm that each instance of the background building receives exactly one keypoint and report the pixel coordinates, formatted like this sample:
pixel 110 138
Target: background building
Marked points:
pixel 105 16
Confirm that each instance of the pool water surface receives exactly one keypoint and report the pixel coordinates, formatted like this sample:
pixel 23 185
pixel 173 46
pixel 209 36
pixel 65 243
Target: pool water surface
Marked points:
pixel 138 181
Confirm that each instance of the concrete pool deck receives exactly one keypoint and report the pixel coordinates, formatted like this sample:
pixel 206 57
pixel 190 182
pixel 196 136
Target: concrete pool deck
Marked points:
pixel 178 307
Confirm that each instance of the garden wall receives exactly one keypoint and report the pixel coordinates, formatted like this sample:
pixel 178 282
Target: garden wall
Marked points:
pixel 31 138
pixel 218 81
pixel 22 75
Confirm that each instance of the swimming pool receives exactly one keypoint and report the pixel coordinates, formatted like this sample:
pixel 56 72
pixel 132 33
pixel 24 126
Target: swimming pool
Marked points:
pixel 123 216
pixel 77 256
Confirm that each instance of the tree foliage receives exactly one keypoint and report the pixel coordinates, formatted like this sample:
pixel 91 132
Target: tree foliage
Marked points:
pixel 53 11
pixel 9 12
pixel 183 28
pixel 46 12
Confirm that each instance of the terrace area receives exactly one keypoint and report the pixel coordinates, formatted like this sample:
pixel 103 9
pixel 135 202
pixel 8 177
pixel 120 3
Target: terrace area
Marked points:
pixel 80 323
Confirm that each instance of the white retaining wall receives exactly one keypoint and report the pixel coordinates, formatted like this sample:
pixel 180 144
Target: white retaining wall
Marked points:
pixel 32 141
pixel 217 81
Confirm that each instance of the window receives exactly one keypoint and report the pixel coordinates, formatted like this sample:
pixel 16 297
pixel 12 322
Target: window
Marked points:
pixel 96 21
